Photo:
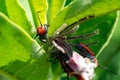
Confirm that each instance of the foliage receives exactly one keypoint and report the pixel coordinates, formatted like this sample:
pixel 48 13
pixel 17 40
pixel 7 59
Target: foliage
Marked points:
pixel 23 58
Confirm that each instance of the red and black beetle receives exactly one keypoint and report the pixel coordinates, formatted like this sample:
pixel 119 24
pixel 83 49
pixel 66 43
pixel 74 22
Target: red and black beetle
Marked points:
pixel 86 52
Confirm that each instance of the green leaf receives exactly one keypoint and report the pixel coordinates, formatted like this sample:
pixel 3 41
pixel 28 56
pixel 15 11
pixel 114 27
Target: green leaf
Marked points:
pixel 112 64
pixel 17 14
pixel 3 8
pixel 53 8
pixel 68 2
pixel 79 9
pixel 38 5
pixel 15 43
pixel 25 5
pixel 56 71
pixel 27 70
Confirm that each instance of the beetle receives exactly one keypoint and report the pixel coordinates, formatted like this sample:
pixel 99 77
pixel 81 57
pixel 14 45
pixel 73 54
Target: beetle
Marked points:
pixel 41 30
pixel 85 51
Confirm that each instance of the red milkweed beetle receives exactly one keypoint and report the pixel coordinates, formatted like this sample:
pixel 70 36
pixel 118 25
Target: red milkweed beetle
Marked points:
pixel 85 51
pixel 41 30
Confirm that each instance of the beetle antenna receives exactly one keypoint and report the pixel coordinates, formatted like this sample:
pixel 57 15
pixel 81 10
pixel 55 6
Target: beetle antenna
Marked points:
pixel 39 17
pixel 106 68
